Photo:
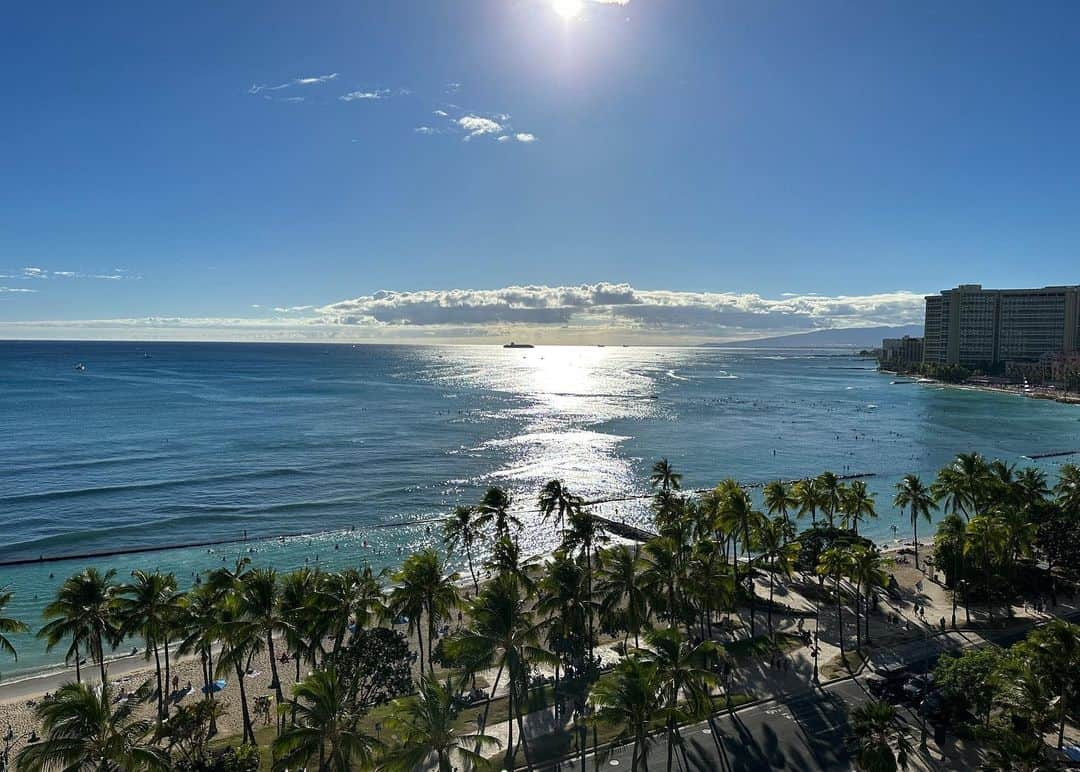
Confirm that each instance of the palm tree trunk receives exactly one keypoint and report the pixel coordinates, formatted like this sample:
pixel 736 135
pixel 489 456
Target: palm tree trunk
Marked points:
pixel 278 696
pixel 101 658
pixel 249 731
pixel 78 664
pixel 915 536
pixel 420 645
pixel 1062 702
pixel 839 615
pixel 167 673
pixel 510 725
pixel 472 571
pixel 521 731
pixel 589 578
pixel 160 688
pixel 771 600
pixel 487 707
pixel 858 628
pixel 430 638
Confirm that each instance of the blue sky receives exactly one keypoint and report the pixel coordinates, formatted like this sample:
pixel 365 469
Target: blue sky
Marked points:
pixel 720 169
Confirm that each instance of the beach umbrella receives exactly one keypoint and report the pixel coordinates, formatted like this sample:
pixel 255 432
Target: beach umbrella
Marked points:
pixel 216 686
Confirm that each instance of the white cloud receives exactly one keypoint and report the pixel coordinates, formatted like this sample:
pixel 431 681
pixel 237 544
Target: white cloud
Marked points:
pixel 611 2
pixel 34 272
pixel 525 137
pixel 426 130
pixel 303 81
pixel 452 87
pixel 352 96
pixel 477 125
pixel 16 290
pixel 440 113
pixel 623 306
pixel 504 138
pixel 570 313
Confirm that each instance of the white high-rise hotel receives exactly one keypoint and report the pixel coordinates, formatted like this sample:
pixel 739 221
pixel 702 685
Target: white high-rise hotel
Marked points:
pixel 979 327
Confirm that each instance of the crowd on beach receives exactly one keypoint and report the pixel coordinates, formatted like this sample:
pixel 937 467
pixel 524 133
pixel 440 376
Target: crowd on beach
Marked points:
pixel 356 669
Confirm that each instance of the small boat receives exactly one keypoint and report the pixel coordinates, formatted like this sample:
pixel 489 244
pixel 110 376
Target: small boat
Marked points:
pixel 511 344
pixel 80 367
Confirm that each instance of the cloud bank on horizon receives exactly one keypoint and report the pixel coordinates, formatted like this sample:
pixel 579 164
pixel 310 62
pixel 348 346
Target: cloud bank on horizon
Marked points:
pixel 572 313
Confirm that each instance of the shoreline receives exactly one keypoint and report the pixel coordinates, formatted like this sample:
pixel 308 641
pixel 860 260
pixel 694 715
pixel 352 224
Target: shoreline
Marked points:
pixel 1032 392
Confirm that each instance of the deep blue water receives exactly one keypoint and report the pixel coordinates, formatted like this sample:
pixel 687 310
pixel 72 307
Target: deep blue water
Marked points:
pixel 162 444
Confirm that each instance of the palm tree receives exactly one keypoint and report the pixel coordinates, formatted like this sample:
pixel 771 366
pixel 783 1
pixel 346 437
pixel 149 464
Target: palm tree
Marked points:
pixel 199 620
pixel 503 633
pixel 1068 488
pixel 462 531
pixel 425 724
pixel 856 504
pixel 262 605
pixel 148 606
pixel 684 676
pixel 665 477
pixel 709 582
pixel 326 727
pixel 662 578
pixel 835 562
pixel 620 590
pixel 832 495
pixel 352 597
pixel 241 639
pixel 1055 653
pixel 874 731
pixel 949 540
pixel 989 535
pixel 561 601
pixel 83 730
pixel 84 612
pixel 738 516
pixel 585 532
pixel 808 495
pixel 777 552
pixel 424 590
pixel 305 617
pixel 1009 750
pixel 963 484
pixel 780 499
pixel 912 495
pixel 557 501
pixel 868 572
pixel 9 626
pixel 495 509
pixel 629 696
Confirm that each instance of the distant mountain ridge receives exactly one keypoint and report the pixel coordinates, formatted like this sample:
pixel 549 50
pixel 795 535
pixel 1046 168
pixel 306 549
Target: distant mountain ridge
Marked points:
pixel 848 337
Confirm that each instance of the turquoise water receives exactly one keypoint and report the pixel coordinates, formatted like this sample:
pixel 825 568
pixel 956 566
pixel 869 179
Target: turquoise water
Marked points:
pixel 164 444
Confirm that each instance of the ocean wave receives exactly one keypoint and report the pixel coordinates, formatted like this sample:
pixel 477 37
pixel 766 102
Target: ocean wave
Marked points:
pixel 98 490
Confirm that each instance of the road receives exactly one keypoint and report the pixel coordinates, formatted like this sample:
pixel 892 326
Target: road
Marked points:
pixel 803 733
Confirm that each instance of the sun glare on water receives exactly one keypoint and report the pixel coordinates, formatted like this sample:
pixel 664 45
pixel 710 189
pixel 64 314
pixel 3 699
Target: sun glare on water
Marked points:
pixel 568 9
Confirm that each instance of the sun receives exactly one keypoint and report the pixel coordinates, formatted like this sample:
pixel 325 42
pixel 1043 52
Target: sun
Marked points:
pixel 568 9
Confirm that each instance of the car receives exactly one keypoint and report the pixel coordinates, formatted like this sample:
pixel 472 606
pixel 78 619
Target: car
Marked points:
pixel 1071 756
pixel 917 686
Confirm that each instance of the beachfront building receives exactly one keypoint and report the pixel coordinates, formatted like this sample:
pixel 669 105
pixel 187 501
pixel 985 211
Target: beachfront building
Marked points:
pixel 901 353
pixel 985 328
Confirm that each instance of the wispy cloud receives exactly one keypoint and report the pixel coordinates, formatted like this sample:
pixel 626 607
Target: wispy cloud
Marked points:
pixel 258 88
pixel 33 272
pixel 352 96
pixel 16 290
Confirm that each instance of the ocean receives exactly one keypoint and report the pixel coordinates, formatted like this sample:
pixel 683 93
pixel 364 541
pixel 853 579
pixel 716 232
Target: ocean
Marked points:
pixel 344 454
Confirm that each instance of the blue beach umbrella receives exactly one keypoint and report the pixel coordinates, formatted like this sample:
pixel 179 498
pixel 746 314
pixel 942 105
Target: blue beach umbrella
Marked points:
pixel 216 686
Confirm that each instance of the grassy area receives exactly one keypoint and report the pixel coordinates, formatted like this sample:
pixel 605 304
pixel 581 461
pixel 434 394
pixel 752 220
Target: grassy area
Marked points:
pixel 838 666
pixel 763 646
